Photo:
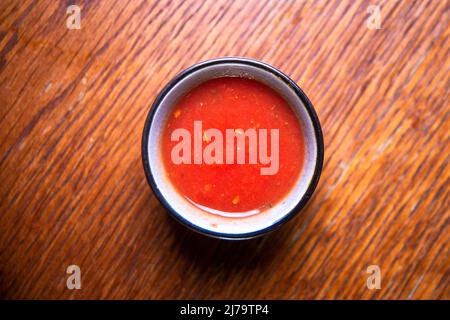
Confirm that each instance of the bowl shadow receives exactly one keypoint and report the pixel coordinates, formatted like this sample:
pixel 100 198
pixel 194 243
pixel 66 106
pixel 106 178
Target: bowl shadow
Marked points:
pixel 252 254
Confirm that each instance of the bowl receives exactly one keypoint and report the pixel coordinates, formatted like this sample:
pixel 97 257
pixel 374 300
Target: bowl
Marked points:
pixel 230 227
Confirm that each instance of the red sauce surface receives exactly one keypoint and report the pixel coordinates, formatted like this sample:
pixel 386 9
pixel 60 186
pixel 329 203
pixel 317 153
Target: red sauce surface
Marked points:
pixel 232 103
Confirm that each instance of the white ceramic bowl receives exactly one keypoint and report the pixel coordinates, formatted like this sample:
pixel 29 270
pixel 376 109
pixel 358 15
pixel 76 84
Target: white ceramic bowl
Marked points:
pixel 219 226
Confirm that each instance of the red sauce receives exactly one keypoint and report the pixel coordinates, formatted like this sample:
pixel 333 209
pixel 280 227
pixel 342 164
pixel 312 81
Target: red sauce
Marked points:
pixel 241 104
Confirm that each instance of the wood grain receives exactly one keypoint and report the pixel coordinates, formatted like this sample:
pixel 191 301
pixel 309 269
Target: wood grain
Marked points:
pixel 72 186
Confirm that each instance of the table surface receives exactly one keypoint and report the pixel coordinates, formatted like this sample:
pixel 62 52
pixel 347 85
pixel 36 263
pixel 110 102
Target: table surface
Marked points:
pixel 73 190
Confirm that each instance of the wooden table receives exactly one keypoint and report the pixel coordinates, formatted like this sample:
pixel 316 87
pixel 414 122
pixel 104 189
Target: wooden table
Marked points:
pixel 73 190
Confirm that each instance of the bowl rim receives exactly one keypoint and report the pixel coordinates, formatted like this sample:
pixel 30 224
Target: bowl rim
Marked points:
pixel 309 108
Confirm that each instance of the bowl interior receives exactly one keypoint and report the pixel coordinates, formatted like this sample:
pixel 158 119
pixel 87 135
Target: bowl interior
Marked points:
pixel 196 217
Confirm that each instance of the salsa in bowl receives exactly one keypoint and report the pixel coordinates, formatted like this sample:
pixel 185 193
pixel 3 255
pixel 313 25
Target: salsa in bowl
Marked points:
pixel 232 148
